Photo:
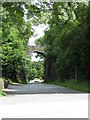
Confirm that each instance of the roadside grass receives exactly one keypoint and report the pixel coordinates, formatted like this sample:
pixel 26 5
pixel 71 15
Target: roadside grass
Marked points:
pixel 16 83
pixel 2 94
pixel 80 86
pixel 2 79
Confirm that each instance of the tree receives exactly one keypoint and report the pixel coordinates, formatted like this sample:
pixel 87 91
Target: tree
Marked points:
pixel 15 34
pixel 65 41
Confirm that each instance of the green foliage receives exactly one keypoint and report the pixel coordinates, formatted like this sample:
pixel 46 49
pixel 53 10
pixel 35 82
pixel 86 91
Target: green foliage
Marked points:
pixel 34 70
pixel 40 41
pixel 2 79
pixel 66 41
pixel 80 86
pixel 3 94
pixel 39 12
pixel 15 34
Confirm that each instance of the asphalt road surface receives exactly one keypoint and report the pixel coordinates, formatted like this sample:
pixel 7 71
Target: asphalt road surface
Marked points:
pixel 38 88
pixel 44 106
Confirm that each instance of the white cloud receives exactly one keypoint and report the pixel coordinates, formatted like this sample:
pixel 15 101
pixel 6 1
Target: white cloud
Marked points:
pixel 39 32
pixel 33 57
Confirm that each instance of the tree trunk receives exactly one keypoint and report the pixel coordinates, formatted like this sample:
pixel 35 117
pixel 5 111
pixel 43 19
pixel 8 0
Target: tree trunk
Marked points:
pixel 75 73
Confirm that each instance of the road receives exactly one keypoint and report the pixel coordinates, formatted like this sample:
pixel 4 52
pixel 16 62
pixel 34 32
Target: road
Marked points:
pixel 38 89
pixel 18 104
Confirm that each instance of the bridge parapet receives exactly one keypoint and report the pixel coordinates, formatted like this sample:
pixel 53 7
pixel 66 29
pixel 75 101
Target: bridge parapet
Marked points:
pixel 37 48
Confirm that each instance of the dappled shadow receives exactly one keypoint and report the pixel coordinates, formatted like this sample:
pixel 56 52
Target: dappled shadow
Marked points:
pixel 39 88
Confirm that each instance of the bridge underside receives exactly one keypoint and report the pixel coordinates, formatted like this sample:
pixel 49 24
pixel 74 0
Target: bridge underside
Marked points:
pixel 38 52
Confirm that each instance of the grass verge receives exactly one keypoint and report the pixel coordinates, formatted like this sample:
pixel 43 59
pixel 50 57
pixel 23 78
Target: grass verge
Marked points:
pixel 2 94
pixel 80 86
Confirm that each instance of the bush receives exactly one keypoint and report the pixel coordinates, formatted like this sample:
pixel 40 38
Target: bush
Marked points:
pixel 3 94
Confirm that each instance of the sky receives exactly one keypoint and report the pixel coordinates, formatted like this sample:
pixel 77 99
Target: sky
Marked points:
pixel 39 32
pixel 33 58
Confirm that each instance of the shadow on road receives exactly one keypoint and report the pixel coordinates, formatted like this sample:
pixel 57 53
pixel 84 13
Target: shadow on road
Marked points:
pixel 39 89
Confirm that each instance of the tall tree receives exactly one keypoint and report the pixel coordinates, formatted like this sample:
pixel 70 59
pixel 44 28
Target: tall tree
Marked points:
pixel 15 34
pixel 66 42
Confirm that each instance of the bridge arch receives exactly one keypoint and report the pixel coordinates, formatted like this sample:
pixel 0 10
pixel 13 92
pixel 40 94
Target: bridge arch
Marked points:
pixel 40 50
pixel 37 48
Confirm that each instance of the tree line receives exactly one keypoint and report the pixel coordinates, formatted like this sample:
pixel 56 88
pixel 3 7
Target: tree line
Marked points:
pixel 67 42
pixel 17 21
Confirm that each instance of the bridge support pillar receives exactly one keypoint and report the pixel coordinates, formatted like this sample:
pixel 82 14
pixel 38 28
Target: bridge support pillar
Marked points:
pixel 50 70
pixel 48 66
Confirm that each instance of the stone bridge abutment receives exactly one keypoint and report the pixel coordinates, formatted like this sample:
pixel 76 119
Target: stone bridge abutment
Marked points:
pixel 49 67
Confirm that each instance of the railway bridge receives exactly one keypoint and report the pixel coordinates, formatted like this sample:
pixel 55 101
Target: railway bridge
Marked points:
pixel 47 62
pixel 37 48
